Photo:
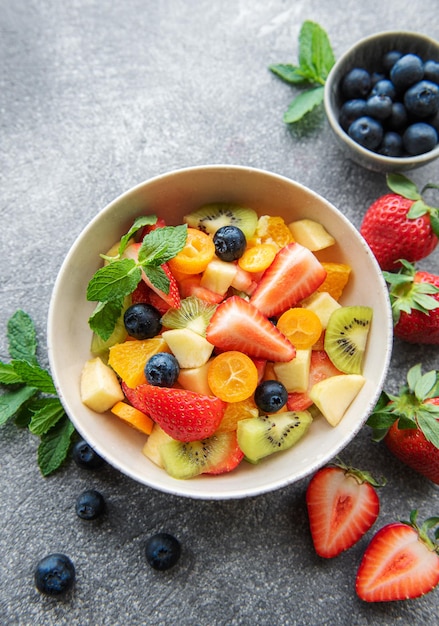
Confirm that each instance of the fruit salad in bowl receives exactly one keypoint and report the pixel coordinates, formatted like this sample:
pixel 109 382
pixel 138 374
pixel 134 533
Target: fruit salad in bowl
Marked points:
pixel 229 332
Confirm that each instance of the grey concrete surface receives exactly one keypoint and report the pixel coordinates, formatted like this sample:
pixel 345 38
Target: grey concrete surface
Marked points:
pixel 96 96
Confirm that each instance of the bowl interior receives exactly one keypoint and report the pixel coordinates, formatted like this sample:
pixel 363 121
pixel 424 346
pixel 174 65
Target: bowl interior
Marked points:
pixel 368 53
pixel 172 196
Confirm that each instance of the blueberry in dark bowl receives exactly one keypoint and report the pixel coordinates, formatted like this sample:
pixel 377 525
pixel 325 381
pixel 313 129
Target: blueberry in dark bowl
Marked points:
pixel 379 106
pixel 356 83
pixel 391 144
pixel 54 574
pixel 366 131
pixel 162 370
pixel 398 117
pixel 162 551
pixel 419 138
pixel 384 87
pixel 351 111
pixel 230 243
pixel 407 71
pixel 142 321
pixel 422 99
pixel 390 58
pixel 431 71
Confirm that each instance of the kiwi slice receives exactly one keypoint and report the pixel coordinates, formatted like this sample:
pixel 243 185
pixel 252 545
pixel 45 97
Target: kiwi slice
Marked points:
pixel 188 459
pixel 193 313
pixel 346 337
pixel 261 436
pixel 210 217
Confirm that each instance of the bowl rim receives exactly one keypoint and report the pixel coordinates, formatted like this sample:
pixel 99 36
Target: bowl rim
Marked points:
pixel 185 488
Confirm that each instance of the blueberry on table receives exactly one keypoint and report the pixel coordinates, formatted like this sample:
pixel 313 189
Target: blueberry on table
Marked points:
pixel 230 243
pixel 367 132
pixel 379 106
pixel 350 111
pixel 419 138
pixel 90 504
pixel 422 99
pixel 85 457
pixel 54 574
pixel 356 83
pixel 270 396
pixel 407 71
pixel 162 369
pixel 162 551
pixel 142 321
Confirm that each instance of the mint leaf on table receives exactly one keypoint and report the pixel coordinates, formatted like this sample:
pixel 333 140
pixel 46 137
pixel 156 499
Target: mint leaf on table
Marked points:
pixel 22 337
pixel 316 59
pixel 54 446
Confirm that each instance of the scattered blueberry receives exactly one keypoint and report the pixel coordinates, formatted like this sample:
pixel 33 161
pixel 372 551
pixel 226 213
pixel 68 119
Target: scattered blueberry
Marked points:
pixel 162 551
pixel 162 369
pixel 54 574
pixel 367 132
pixel 356 83
pixel 90 504
pixel 229 243
pixel 407 71
pixel 422 99
pixel 379 106
pixel 85 457
pixel 391 144
pixel 142 321
pixel 350 111
pixel 419 138
pixel 270 396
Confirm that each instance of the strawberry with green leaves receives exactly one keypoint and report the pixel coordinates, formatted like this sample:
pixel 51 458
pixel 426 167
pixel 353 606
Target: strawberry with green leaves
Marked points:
pixel 401 562
pixel 414 296
pixel 409 422
pixel 400 225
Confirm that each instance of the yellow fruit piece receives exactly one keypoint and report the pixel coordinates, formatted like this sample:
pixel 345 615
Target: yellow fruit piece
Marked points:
pixel 128 359
pixel 301 326
pixel 232 376
pixel 311 234
pixel 133 417
pixel 236 411
pixel 99 386
pixel 337 276
pixel 196 254
pixel 257 258
pixel 273 229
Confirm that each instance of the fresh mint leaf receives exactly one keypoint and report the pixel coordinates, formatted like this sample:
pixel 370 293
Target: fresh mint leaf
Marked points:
pixel 114 281
pixel 140 222
pixel 34 376
pixel 46 416
pixel 104 318
pixel 54 446
pixel 316 57
pixel 8 375
pixel 289 73
pixel 12 401
pixel 22 337
pixel 162 244
pixel 302 104
pixel 158 278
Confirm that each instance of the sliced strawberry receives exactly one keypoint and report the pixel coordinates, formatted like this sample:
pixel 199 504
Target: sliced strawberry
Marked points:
pixel 342 506
pixel 232 456
pixel 238 325
pixel 160 223
pixel 401 562
pixel 142 293
pixel 190 286
pixel 294 274
pixel 321 367
pixel 182 414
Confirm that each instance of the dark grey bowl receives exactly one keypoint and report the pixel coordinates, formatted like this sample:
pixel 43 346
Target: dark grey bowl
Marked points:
pixel 368 53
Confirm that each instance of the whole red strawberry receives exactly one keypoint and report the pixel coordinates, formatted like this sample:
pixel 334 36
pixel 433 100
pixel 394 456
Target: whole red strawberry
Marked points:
pixel 400 225
pixel 414 296
pixel 409 422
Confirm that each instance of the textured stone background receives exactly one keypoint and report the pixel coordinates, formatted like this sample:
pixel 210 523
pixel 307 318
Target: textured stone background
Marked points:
pixel 96 96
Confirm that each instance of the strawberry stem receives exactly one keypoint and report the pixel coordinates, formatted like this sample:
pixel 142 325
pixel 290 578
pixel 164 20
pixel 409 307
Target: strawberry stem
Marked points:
pixel 423 531
pixel 361 476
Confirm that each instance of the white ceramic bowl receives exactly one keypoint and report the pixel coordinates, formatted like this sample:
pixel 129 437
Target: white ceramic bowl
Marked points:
pixel 367 53
pixel 172 195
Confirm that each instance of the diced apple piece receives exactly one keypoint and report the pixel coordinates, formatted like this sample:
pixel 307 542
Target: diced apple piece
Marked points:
pixel 218 276
pixel 189 348
pixel 100 388
pixel 195 379
pixel 156 439
pixel 294 374
pixel 311 234
pixel 323 305
pixel 333 395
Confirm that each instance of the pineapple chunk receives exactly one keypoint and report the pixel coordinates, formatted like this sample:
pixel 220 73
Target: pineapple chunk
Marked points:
pixel 218 276
pixel 189 348
pixel 323 305
pixel 294 374
pixel 311 234
pixel 100 388
pixel 333 395
pixel 156 439
pixel 195 379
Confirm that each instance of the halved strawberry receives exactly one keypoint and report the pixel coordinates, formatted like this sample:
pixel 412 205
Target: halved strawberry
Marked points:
pixel 233 455
pixel 342 506
pixel 238 325
pixel 182 414
pixel 294 275
pixel 401 562
pixel 321 367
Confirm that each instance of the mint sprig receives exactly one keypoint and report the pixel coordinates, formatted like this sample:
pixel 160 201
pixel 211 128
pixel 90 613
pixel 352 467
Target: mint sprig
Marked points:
pixel 316 59
pixel 30 396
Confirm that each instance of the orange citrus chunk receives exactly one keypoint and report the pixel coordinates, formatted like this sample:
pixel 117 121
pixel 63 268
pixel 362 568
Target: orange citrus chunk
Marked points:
pixel 236 411
pixel 232 376
pixel 196 254
pixel 257 258
pixel 128 359
pixel 337 276
pixel 133 417
pixel 273 229
pixel 301 326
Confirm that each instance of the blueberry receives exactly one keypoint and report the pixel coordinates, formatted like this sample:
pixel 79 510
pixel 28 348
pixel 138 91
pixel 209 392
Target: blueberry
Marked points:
pixel 270 396
pixel 391 144
pixel 162 369
pixel 142 321
pixel 229 243
pixel 422 99
pixel 431 71
pixel 367 132
pixel 407 71
pixel 90 504
pixel 350 111
pixel 434 121
pixel 390 58
pixel 419 138
pixel 162 551
pixel 54 574
pixel 356 83
pixel 398 117
pixel 85 457
pixel 375 78
pixel 379 106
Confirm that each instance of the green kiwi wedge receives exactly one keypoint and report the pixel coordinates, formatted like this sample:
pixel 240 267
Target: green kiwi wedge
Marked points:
pixel 346 337
pixel 193 313
pixel 261 436
pixel 210 217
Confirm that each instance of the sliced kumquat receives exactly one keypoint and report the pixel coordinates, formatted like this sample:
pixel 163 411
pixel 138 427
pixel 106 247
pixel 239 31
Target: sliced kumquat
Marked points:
pixel 232 376
pixel 128 359
pixel 258 257
pixel 301 326
pixel 337 276
pixel 196 254
pixel 236 411
pixel 133 417
pixel 272 229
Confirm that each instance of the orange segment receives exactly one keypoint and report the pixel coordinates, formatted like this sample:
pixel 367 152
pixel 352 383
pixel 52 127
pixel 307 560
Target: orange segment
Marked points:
pixel 232 376
pixel 128 359
pixel 257 258
pixel 272 229
pixel 198 251
pixel 133 417
pixel 337 276
pixel 301 326
pixel 236 411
